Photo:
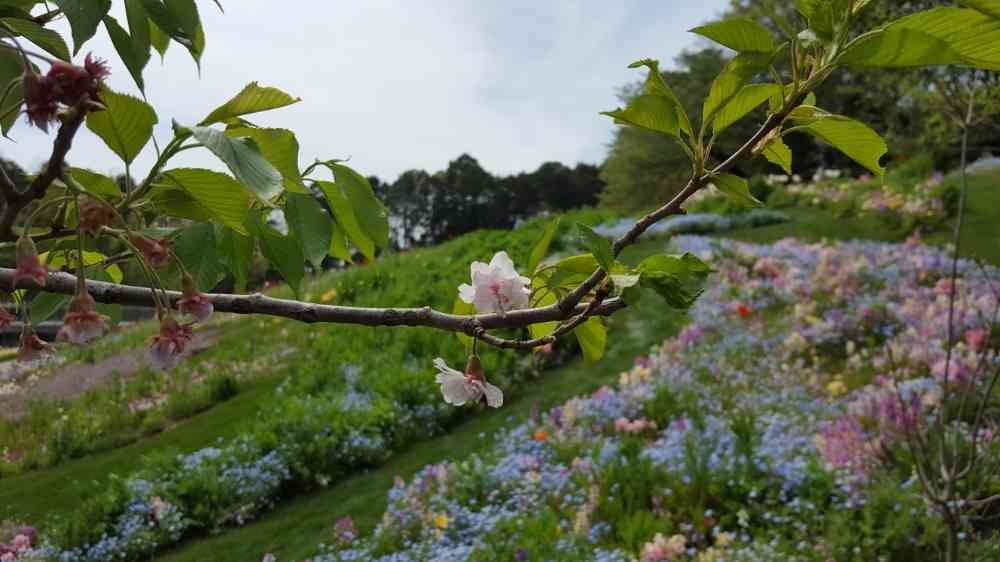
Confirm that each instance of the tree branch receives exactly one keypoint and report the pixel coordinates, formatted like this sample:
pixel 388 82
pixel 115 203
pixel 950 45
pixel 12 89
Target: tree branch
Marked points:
pixel 15 201
pixel 111 293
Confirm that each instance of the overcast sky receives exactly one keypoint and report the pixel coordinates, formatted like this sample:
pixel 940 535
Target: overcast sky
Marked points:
pixel 407 84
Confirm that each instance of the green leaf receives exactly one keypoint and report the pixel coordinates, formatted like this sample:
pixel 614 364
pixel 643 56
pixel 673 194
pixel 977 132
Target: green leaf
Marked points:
pixel 84 16
pixel 678 279
pixel 280 148
pixel 344 213
pixel 134 59
pixel 236 252
pixel 988 7
pixel 139 28
pixel 778 153
pixel 822 15
pixel 47 39
pixel 244 159
pixel 739 34
pixel 97 184
pixel 742 103
pixel 284 254
pixel 462 308
pixel 45 305
pixel 196 248
pixel 253 99
pixel 373 218
pixel 547 297
pixel 126 126
pixel 310 224
pixel 338 244
pixel 11 73
pixel 940 36
pixel 593 338
pixel 855 139
pixel 60 259
pixel 598 245
pixel 728 84
pixel 656 108
pixel 541 247
pixel 179 20
pixel 222 197
pixel 626 285
pixel 737 188
pixel 158 39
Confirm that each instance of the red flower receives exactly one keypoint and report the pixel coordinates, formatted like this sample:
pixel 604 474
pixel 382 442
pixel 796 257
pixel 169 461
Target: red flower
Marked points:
pixel 39 102
pixel 94 213
pixel 168 347
pixel 31 347
pixel 64 83
pixel 156 252
pixel 82 323
pixel 28 265
pixel 742 310
pixel 194 302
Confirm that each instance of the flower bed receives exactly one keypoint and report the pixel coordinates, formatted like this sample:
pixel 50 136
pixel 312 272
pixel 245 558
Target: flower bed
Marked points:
pixel 762 432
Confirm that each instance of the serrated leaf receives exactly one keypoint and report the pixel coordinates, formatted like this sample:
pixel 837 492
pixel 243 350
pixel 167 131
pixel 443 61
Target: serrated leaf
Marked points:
pixel 280 148
pixel 678 279
pixel 11 72
pixel 48 40
pixel 855 139
pixel 178 19
pixel 284 254
pixel 310 225
pixel 739 34
pixel 821 15
pixel 940 36
pixel 372 216
pixel 84 16
pixel 655 85
pixel 736 188
pixel 97 184
pixel 196 248
pixel 217 194
pixel 126 126
pixel 344 214
pixel 541 248
pixel 236 252
pixel 593 338
pixel 656 108
pixel 254 98
pixel 135 60
pixel 599 246
pixel 729 82
pixel 244 160
pixel 778 153
pixel 743 102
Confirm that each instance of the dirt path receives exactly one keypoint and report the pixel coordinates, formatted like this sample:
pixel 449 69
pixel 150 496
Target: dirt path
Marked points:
pixel 72 380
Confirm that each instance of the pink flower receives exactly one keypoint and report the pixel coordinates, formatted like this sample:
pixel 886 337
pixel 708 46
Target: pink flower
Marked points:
pixel 470 386
pixel 976 337
pixel 158 507
pixel 82 323
pixel 6 318
pixel 8 557
pixel 21 542
pixel 156 252
pixel 497 287
pixel 767 267
pixel 94 213
pixel 39 102
pixel 28 265
pixel 31 347
pixel 345 531
pixel 168 347
pixel 663 550
pixel 194 302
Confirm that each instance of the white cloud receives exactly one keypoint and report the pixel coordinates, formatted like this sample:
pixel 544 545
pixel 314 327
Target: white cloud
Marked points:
pixel 398 85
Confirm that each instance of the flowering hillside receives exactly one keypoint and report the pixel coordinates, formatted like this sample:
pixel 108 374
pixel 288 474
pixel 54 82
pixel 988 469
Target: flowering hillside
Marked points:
pixel 771 428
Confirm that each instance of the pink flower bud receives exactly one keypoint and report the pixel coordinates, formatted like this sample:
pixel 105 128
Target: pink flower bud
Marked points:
pixel 28 265
pixel 31 347
pixel 194 302
pixel 94 213
pixel 167 348
pixel 156 252
pixel 82 322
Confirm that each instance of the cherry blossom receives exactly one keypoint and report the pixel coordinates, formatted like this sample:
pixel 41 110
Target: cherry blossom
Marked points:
pixel 27 263
pixel 470 386
pixel 82 322
pixel 156 252
pixel 194 302
pixel 31 347
pixel 167 348
pixel 497 287
pixel 94 213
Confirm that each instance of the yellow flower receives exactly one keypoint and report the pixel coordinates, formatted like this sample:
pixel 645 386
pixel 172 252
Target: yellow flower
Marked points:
pixel 441 521
pixel 836 388
pixel 329 295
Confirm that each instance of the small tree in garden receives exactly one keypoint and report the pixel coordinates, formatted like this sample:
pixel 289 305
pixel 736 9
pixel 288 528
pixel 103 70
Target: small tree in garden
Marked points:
pixel 84 222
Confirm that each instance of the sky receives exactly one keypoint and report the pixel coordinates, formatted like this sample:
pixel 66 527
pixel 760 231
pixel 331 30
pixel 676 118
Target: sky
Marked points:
pixel 396 85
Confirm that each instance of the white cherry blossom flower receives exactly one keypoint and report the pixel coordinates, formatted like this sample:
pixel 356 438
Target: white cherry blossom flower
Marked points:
pixel 459 388
pixel 497 287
